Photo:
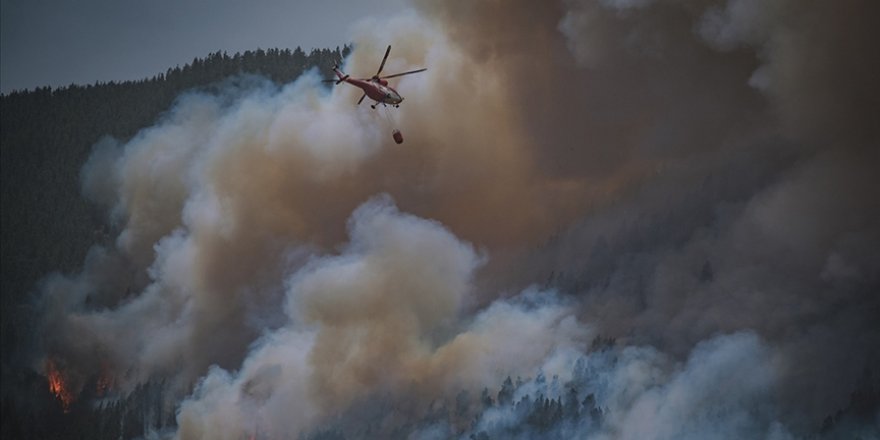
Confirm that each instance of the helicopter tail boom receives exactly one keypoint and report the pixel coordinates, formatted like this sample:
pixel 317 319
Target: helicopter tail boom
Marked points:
pixel 340 74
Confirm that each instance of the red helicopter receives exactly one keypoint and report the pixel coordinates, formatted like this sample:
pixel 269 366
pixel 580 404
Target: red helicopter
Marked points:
pixel 377 87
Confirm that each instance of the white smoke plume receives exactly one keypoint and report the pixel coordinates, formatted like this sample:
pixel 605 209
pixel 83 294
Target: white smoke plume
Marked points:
pixel 696 180
pixel 722 390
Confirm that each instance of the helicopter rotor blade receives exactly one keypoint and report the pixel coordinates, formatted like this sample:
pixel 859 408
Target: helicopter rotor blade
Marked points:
pixel 362 98
pixel 382 66
pixel 404 73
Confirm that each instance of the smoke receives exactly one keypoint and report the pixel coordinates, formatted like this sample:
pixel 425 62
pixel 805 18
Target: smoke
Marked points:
pixel 741 224
pixel 696 180
pixel 722 390
pixel 382 318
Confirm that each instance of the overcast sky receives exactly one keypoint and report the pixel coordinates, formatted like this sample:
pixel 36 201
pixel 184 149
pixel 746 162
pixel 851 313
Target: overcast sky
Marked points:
pixel 59 42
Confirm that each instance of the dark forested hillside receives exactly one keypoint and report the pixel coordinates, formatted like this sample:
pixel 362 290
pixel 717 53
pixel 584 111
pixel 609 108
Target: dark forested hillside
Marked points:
pixel 46 135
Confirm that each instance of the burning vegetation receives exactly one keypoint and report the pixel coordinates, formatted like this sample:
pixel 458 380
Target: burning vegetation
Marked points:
pixel 58 385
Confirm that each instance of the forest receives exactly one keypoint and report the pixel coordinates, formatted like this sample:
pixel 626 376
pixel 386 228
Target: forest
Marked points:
pixel 661 275
pixel 46 135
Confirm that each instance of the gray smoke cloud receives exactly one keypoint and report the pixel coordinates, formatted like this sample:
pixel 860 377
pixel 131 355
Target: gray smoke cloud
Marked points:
pixel 694 179
pixel 641 393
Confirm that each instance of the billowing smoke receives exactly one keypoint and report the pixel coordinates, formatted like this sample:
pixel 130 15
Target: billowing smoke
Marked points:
pixel 384 316
pixel 669 208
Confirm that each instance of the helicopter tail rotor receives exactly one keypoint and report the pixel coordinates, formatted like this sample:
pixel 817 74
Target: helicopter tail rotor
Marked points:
pixel 342 76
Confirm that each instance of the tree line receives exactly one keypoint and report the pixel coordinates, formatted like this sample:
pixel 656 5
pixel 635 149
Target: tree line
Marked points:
pixel 46 135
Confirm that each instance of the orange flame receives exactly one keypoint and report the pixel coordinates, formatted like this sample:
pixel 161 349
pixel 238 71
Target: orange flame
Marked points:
pixel 57 385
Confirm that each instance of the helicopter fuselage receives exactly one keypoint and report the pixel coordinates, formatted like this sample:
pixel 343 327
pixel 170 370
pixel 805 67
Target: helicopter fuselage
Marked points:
pixel 377 90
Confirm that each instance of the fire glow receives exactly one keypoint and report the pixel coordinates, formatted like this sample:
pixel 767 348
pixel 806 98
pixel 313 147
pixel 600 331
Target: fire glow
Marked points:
pixel 57 385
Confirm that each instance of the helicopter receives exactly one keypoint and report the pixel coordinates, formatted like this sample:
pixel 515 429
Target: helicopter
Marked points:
pixel 377 87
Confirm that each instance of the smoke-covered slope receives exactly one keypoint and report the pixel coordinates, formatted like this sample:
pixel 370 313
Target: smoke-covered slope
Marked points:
pixel 661 216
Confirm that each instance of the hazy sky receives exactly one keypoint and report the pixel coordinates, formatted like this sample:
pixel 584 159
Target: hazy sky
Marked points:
pixel 59 42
